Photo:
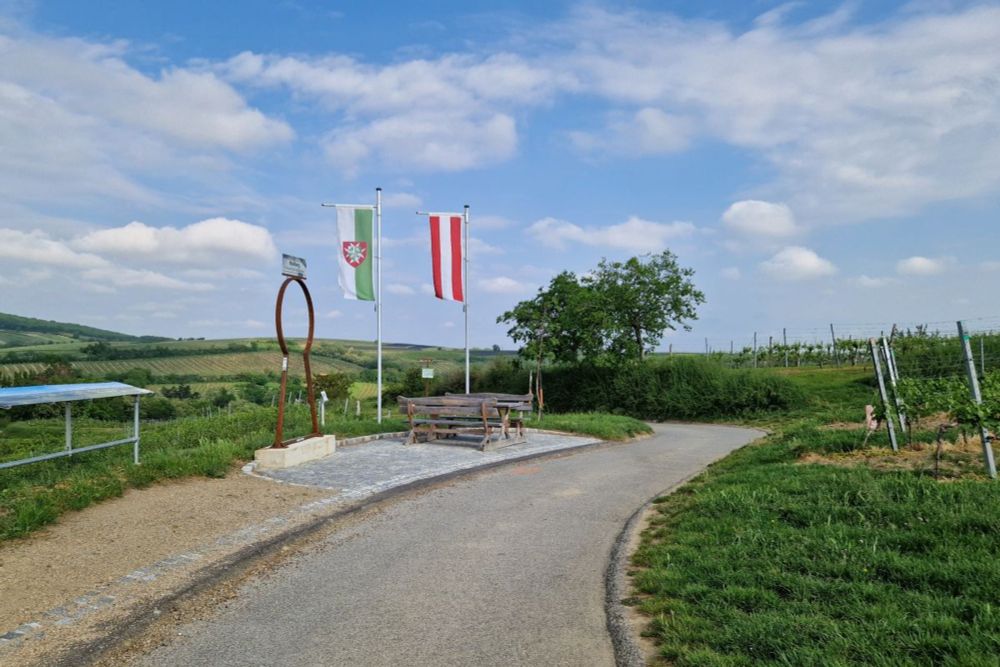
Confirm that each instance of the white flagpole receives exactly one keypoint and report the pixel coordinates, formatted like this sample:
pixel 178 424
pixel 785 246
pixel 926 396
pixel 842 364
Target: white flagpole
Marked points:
pixel 378 295
pixel 465 293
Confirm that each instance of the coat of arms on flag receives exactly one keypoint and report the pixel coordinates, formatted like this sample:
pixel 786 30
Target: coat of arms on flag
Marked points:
pixel 355 252
pixel 354 231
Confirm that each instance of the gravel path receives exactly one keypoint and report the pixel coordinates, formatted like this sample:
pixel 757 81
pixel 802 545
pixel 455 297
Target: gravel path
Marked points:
pixel 502 569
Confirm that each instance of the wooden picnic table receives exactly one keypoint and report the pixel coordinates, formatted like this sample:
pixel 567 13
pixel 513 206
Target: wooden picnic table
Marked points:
pixel 438 417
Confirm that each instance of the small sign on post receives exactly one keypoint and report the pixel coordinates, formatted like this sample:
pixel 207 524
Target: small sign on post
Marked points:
pixel 293 267
pixel 427 373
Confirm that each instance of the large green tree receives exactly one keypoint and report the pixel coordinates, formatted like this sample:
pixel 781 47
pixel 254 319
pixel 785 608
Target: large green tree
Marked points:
pixel 641 299
pixel 619 311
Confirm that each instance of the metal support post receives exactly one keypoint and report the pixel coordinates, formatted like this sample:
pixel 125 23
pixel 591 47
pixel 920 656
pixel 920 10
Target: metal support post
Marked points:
pixel 135 432
pixel 784 343
pixel 893 377
pixel 833 337
pixel 69 428
pixel 977 398
pixel 465 293
pixel 378 299
pixel 883 394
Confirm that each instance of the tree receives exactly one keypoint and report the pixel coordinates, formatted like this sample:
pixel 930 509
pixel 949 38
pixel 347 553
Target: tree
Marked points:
pixel 642 298
pixel 561 322
pixel 336 385
pixel 619 311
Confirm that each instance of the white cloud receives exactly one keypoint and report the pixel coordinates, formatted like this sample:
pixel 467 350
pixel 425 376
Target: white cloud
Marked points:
pixel 448 114
pixel 207 241
pixel 479 247
pixel 448 325
pixel 797 263
pixel 491 222
pixel 860 121
pixel 36 247
pixel 333 314
pixel 760 219
pixel 922 266
pixel 427 288
pixel 731 273
pixel 124 277
pixel 74 112
pixel 401 200
pixel 869 282
pixel 504 285
pixel 648 131
pixel 399 288
pixel 990 266
pixel 634 234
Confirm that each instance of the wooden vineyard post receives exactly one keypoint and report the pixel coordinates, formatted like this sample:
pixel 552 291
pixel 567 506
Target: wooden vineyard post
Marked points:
pixel 882 393
pixel 977 398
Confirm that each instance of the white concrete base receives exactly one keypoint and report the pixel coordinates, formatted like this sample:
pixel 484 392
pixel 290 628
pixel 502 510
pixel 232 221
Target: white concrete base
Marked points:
pixel 272 458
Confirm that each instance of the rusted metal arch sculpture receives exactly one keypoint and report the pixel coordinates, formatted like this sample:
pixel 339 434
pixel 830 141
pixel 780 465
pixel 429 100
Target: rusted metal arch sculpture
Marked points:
pixel 310 392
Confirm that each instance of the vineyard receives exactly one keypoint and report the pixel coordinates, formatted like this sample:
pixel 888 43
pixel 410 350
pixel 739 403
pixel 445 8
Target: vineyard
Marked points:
pixel 205 366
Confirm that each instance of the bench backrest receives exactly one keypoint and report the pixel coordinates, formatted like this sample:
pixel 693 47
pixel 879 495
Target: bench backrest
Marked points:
pixel 449 406
pixel 522 402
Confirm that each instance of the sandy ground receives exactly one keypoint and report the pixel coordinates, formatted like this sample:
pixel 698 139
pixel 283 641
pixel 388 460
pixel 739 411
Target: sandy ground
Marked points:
pixel 103 543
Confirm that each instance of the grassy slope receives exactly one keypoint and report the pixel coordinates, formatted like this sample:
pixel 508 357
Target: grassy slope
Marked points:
pixel 765 560
pixel 17 330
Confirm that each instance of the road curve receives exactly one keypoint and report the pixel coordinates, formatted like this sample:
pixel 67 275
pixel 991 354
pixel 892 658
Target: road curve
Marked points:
pixel 506 568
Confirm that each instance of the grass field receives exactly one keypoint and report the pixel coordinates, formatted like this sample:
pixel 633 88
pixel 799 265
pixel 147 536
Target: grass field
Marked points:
pixel 793 552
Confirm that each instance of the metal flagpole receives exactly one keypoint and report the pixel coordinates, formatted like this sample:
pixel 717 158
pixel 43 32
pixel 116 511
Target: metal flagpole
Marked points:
pixel 465 293
pixel 378 296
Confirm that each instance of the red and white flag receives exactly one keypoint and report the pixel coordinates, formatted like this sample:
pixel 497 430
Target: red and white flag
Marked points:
pixel 446 255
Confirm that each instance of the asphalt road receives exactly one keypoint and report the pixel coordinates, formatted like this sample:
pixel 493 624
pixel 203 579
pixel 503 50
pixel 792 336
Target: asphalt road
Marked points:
pixel 506 568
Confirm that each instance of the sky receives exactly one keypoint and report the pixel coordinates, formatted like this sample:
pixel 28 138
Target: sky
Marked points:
pixel 814 163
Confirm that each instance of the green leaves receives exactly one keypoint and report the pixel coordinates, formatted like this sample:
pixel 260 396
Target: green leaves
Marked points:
pixel 619 311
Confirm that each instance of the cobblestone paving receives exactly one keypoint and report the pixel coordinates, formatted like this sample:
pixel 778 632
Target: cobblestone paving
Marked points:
pixel 359 471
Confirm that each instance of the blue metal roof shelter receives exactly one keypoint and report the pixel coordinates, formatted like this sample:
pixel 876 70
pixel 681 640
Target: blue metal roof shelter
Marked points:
pixel 12 397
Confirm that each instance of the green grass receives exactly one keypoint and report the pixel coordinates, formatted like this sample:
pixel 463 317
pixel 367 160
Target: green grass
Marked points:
pixel 34 495
pixel 597 424
pixel 766 560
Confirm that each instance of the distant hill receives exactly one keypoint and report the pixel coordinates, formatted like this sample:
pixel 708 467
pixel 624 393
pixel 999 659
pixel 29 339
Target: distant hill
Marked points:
pixel 17 331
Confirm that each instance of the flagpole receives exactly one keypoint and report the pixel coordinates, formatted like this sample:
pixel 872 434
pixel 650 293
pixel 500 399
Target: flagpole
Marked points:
pixel 378 295
pixel 465 293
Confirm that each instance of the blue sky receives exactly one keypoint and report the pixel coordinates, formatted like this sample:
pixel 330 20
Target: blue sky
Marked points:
pixel 813 162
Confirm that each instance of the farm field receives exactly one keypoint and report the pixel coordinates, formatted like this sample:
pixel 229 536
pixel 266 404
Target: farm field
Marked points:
pixel 205 366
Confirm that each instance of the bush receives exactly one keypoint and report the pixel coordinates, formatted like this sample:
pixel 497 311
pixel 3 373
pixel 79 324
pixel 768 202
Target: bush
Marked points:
pixel 678 388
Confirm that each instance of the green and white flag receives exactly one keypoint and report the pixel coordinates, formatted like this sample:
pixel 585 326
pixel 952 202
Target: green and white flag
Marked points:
pixel 354 230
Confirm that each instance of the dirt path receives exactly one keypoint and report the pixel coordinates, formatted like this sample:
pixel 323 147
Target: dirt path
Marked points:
pixel 97 546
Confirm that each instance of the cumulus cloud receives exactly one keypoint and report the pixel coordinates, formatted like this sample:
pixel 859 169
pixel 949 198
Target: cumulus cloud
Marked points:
pixel 504 285
pixel 731 273
pixel 859 120
pixel 797 263
pixel 921 266
pixel 634 234
pixel 38 248
pixel 445 114
pixel 202 242
pixel 760 219
pixel 76 113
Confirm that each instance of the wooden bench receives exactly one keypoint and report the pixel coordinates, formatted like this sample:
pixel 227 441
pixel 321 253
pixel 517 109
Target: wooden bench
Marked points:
pixel 438 417
pixel 509 404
